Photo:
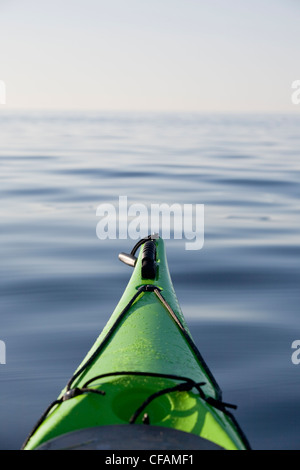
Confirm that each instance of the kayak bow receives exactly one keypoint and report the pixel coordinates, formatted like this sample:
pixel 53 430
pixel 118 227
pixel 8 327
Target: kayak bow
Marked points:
pixel 144 384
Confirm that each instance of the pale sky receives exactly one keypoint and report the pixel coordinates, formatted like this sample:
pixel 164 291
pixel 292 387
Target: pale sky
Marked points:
pixel 184 55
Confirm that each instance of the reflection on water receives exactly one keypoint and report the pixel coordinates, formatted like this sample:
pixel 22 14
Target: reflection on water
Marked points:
pixel 239 294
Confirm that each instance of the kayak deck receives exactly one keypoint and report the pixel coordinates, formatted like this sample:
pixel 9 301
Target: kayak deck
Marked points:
pixel 143 368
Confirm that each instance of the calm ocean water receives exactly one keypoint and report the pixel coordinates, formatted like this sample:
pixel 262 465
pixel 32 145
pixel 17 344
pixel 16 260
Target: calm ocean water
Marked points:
pixel 60 283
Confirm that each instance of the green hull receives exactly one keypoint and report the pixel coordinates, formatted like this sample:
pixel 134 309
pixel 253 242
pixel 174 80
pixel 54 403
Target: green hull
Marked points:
pixel 143 345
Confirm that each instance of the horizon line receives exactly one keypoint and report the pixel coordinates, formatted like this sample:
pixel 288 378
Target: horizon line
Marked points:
pixel 148 111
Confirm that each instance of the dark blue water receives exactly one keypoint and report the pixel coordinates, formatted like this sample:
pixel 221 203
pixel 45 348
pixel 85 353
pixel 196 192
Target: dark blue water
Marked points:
pixel 60 283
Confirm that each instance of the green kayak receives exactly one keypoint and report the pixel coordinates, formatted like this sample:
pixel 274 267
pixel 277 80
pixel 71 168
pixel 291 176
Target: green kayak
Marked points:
pixel 143 384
